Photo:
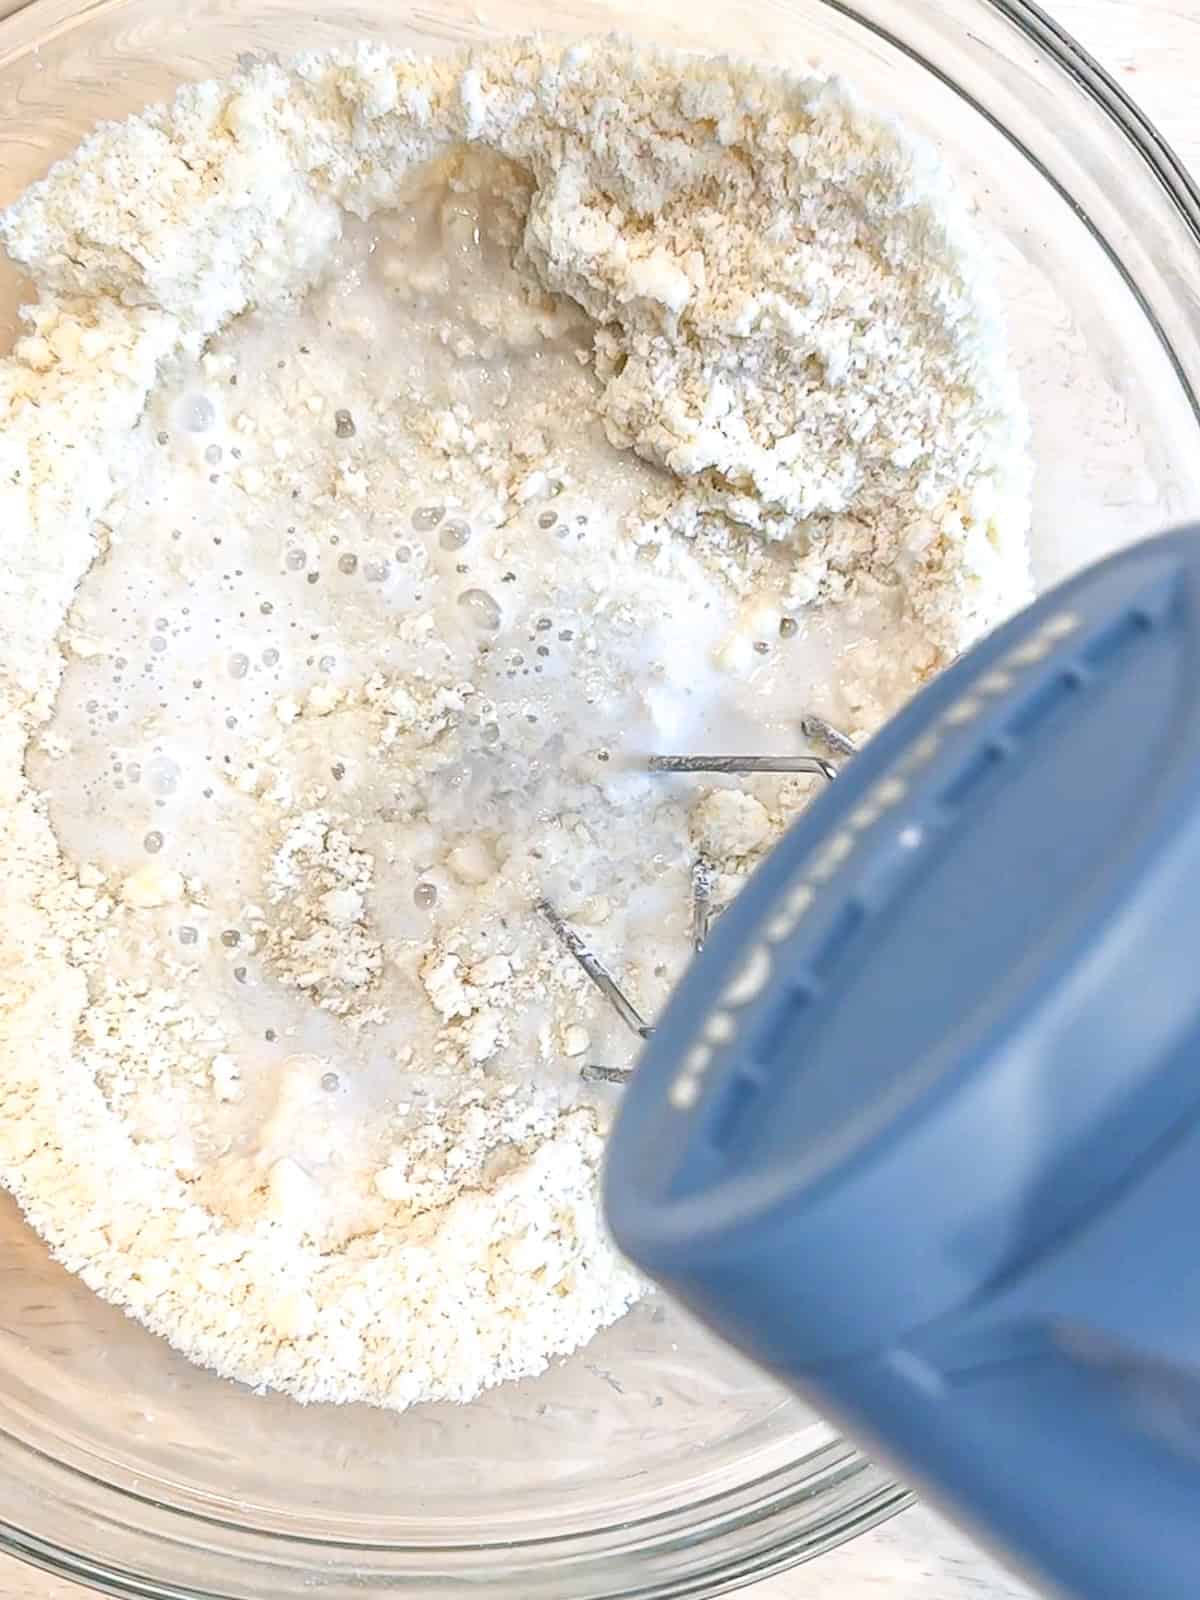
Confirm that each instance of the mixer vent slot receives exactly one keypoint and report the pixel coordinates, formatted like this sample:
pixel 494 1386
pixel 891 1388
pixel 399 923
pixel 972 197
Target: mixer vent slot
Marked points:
pixel 978 770
pixel 837 941
pixel 732 1107
pixel 1043 702
pixel 1114 640
pixel 774 1032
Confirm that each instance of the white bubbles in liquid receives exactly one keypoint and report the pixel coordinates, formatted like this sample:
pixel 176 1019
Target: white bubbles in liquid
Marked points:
pixel 375 571
pixel 454 535
pixel 547 519
pixel 482 609
pixel 425 896
pixel 330 1081
pixel 187 935
pixel 295 560
pixel 348 564
pixel 239 665
pixel 162 774
pixel 426 518
pixel 270 657
pixel 152 843
pixel 197 413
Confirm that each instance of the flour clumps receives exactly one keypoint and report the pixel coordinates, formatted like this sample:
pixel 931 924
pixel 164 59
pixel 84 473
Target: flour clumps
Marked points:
pixel 398 454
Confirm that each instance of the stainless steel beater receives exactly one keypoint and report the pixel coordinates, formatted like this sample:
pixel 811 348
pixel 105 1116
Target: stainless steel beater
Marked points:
pixel 814 728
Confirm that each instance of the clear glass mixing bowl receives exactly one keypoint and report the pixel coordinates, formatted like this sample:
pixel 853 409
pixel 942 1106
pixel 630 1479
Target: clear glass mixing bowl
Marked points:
pixel 652 1463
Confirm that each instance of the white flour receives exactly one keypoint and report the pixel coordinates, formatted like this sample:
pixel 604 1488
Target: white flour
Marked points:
pixel 400 452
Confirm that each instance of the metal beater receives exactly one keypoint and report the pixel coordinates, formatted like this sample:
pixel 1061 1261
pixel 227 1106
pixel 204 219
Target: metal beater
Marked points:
pixel 814 728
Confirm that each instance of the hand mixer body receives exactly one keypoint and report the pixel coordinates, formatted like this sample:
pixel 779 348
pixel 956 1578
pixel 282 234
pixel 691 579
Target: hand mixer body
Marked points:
pixel 920 1130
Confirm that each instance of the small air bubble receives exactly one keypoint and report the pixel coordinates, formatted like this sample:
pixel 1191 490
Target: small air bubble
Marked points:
pixel 162 436
pixel 490 733
pixel 454 535
pixel 482 609
pixel 426 518
pixel 343 424
pixel 270 657
pixel 153 843
pixel 270 1035
pixel 240 974
pixel 788 627
pixel 239 665
pixel 348 563
pixel 547 519
pixel 327 663
pixel 761 647
pixel 403 554
pixel 330 1081
pixel 425 895
pixel 313 577
pixel 187 936
pixel 338 769
pixel 375 571
pixel 231 938
pixel 294 560
pixel 163 774
pixel 213 454
pixel 266 608
pixel 197 414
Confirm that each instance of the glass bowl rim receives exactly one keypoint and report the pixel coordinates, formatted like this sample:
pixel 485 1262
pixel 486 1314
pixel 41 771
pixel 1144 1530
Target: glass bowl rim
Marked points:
pixel 853 1494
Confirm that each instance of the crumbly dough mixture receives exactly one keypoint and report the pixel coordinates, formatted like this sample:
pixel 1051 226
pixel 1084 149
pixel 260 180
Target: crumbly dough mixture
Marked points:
pixel 399 452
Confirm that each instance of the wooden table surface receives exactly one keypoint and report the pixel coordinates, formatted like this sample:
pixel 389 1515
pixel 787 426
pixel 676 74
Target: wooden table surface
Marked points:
pixel 1153 48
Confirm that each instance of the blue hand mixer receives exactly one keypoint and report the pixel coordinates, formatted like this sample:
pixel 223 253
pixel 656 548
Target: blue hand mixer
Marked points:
pixel 920 1128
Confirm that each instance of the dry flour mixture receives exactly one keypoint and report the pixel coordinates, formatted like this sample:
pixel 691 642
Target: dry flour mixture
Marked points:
pixel 399 452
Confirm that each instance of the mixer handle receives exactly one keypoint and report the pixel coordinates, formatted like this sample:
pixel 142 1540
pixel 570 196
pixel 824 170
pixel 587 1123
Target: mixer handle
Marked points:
pixel 1078 1456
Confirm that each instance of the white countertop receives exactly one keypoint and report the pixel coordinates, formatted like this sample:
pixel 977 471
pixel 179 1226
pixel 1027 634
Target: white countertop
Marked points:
pixel 1152 47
